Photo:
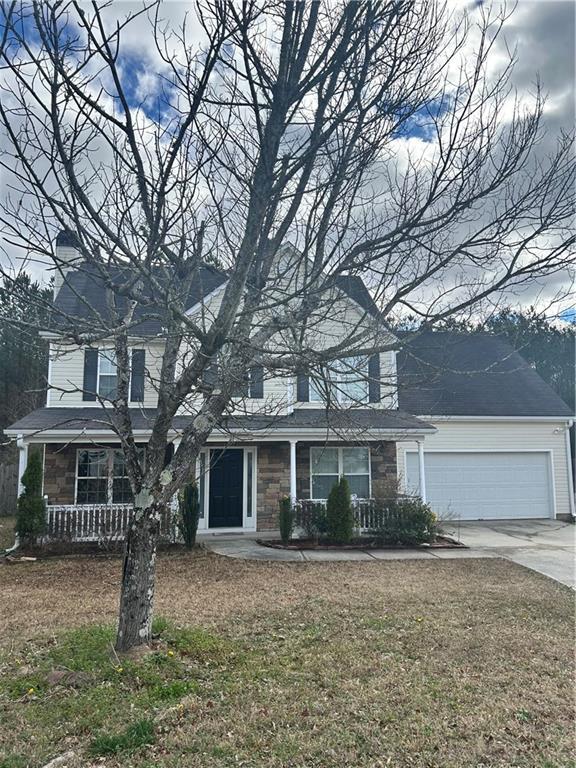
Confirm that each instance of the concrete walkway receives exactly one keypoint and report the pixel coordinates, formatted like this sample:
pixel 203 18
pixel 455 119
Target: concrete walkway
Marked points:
pixel 545 546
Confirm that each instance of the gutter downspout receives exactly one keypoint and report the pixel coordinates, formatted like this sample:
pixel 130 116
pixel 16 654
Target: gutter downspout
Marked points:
pixel 570 468
pixel 422 471
pixel 22 461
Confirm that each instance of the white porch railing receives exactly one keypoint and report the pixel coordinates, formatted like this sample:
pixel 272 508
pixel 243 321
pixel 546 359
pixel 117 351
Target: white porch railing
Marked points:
pixel 96 522
pixel 364 511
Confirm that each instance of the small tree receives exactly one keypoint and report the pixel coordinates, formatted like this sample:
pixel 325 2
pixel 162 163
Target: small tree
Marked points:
pixel 339 514
pixel 286 519
pixel 189 508
pixel 31 518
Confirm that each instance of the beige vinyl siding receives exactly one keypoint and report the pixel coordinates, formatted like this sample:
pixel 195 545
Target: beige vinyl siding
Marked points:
pixel 67 374
pixel 501 436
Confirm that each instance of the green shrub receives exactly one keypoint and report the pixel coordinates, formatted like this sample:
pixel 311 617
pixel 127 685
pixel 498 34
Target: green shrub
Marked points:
pixel 31 515
pixel 286 519
pixel 312 519
pixel 339 513
pixel 405 520
pixel 189 510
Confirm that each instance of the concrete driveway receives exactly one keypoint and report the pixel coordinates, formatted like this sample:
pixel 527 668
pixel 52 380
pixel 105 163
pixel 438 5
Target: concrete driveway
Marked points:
pixel 546 546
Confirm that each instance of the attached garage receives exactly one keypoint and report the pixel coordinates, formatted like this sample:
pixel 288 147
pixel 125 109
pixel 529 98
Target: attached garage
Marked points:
pixel 485 485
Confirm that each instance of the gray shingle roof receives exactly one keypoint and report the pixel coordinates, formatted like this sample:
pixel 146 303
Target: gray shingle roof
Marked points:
pixel 83 297
pixel 454 374
pixel 357 420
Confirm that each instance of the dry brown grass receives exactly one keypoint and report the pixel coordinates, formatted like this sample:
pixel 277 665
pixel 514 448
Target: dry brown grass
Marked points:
pixel 415 663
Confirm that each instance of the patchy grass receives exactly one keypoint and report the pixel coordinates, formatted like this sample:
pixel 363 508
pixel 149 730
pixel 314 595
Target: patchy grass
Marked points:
pixel 139 734
pixel 7 531
pixel 439 664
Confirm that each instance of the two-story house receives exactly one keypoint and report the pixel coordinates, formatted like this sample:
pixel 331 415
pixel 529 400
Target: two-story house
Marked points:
pixel 462 420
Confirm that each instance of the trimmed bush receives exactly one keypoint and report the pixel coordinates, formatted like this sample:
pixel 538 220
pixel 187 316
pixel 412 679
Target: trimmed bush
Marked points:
pixel 286 519
pixel 189 511
pixel 339 513
pixel 404 521
pixel 31 515
pixel 312 519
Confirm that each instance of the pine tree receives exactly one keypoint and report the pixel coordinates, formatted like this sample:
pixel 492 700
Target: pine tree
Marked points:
pixel 31 517
pixel 189 507
pixel 339 513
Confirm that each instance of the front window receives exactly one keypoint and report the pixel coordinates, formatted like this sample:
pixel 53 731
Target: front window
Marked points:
pixel 92 478
pixel 328 465
pixel 107 374
pixel 101 477
pixel 345 382
pixel 121 489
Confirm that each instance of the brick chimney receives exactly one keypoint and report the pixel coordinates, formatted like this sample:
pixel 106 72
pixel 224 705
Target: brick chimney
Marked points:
pixel 67 255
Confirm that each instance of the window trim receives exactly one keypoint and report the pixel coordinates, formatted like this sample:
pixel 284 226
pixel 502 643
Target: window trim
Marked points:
pixel 109 451
pixel 340 453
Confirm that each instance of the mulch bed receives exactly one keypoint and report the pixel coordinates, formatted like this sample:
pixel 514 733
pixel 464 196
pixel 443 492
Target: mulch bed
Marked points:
pixel 441 542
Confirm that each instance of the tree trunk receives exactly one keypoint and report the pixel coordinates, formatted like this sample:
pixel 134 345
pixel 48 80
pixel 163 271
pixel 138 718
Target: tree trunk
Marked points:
pixel 138 576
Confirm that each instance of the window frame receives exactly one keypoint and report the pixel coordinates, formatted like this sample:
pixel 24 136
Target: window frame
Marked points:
pixel 336 385
pixel 78 477
pixel 109 477
pixel 102 352
pixel 340 454
pixel 107 350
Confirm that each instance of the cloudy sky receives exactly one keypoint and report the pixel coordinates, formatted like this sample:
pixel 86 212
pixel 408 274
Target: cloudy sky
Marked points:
pixel 541 31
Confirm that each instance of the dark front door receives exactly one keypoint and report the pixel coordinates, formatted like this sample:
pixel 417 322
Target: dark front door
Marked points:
pixel 226 488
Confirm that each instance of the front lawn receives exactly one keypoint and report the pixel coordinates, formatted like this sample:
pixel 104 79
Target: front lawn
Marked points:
pixel 415 663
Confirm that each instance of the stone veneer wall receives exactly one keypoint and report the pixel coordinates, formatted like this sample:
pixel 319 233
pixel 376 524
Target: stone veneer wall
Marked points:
pixel 273 482
pixel 382 460
pixel 273 466
pixel 60 472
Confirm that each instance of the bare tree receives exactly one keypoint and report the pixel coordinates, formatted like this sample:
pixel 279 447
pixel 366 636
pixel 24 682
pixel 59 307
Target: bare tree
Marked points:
pixel 280 122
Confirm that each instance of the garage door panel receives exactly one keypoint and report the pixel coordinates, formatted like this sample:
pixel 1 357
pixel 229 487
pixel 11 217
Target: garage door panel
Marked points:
pixel 476 485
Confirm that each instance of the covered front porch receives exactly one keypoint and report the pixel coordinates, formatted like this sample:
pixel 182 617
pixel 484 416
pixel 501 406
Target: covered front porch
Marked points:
pixel 243 472
pixel 88 496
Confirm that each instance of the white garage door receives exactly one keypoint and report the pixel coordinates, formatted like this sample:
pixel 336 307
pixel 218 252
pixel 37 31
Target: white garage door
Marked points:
pixel 485 486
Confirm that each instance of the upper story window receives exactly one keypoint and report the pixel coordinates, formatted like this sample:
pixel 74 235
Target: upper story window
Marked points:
pixel 345 382
pixel 101 375
pixel 107 374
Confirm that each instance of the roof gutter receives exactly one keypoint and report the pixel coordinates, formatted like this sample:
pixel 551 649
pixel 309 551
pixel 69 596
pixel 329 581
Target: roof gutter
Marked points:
pixel 41 436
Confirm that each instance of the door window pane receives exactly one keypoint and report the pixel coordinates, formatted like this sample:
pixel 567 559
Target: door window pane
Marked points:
pixel 202 482
pixel 249 491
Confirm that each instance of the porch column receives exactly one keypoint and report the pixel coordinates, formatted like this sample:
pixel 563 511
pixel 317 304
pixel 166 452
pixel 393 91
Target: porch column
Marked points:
pixel 293 470
pixel 22 461
pixel 421 470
